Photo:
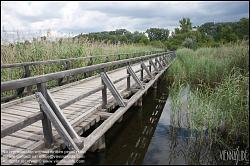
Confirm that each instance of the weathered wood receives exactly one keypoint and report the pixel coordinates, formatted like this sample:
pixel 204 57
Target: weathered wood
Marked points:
pixel 128 80
pixel 147 71
pixel 13 127
pixel 78 98
pixel 55 61
pixel 47 128
pixel 159 63
pixel 106 80
pixel 72 157
pixel 56 122
pixel 77 111
pixel 14 84
pixel 141 78
pixel 136 79
pixel 63 120
pixel 153 64
pixel 104 115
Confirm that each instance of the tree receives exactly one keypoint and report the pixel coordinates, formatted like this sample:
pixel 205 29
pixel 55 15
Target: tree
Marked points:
pixel 157 34
pixel 185 25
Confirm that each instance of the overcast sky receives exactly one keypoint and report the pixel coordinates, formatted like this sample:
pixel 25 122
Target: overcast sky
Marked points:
pixel 77 17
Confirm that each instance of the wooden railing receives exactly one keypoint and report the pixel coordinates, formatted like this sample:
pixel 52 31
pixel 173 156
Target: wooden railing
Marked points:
pixel 157 61
pixel 67 64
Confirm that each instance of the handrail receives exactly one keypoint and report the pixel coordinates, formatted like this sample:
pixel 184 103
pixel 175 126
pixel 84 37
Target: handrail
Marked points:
pixel 15 84
pixel 63 60
pixel 18 125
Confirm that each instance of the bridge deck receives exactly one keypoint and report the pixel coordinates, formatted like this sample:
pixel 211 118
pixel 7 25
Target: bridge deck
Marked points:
pixel 31 137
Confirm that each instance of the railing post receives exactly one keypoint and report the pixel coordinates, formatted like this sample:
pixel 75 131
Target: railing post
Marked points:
pixel 90 61
pixel 141 73
pixel 27 74
pixel 150 67
pixel 128 80
pixel 47 128
pixel 66 67
pixel 106 59
pixel 104 92
pixel 127 56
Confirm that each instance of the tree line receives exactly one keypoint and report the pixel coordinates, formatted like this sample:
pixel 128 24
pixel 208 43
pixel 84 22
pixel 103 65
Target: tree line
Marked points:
pixel 208 34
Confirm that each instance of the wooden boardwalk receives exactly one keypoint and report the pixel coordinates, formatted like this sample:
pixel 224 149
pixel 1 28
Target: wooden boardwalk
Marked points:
pixel 81 114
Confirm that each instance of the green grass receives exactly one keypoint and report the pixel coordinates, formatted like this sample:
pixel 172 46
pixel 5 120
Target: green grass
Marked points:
pixel 67 48
pixel 209 66
pixel 219 95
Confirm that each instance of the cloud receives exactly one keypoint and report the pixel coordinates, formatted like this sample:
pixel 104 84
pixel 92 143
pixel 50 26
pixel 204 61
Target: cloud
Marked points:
pixel 84 17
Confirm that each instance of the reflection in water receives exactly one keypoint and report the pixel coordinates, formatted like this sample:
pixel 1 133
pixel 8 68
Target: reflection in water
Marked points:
pixel 174 143
pixel 146 136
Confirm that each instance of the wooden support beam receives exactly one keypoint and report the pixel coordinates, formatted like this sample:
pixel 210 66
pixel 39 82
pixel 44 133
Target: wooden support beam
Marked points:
pixel 163 62
pixel 56 122
pixel 47 128
pixel 160 65
pixel 128 80
pixel 146 69
pixel 73 157
pixel 104 94
pixel 153 64
pixel 141 73
pixel 132 73
pixel 63 120
pixel 106 80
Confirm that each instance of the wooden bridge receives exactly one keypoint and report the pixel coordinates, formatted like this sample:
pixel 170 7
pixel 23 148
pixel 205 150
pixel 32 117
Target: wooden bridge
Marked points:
pixel 54 119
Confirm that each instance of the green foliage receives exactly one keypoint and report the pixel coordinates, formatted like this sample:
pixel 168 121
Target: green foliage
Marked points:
pixel 115 37
pixel 185 25
pixel 209 66
pixel 157 44
pixel 207 35
pixel 227 32
pixel 218 101
pixel 189 43
pixel 159 34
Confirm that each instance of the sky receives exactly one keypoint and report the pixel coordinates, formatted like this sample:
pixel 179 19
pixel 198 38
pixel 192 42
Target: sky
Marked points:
pixel 74 17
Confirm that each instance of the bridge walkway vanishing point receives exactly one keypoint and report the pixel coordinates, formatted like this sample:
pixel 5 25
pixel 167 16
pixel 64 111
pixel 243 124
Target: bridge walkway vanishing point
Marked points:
pixel 73 108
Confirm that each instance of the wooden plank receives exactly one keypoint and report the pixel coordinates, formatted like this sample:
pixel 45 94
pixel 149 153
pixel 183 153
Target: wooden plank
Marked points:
pixel 78 98
pixel 6 149
pixel 104 115
pixel 13 127
pixel 27 135
pixel 21 108
pixel 17 112
pixel 17 142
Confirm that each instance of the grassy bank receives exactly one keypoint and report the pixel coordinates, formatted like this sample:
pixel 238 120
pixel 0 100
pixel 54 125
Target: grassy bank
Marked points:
pixel 219 99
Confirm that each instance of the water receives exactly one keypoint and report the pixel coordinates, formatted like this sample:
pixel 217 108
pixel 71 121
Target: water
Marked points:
pixel 147 135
